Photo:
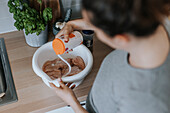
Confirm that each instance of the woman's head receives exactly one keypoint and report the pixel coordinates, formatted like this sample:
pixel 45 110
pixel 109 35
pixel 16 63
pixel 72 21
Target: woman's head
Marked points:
pixel 122 23
pixel 136 17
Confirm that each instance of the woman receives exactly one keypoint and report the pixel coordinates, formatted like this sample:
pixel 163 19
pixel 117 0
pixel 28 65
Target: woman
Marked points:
pixel 136 75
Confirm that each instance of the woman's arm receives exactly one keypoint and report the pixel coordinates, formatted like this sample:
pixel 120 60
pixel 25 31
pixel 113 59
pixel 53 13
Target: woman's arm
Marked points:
pixel 80 24
pixel 67 95
pixel 78 108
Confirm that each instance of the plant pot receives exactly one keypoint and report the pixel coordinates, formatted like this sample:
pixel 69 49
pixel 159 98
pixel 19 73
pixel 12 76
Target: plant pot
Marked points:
pixel 36 41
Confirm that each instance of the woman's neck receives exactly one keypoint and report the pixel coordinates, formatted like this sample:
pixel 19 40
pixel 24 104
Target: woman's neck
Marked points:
pixel 150 52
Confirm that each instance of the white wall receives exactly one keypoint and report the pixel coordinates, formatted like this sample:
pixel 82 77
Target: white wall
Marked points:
pixel 6 19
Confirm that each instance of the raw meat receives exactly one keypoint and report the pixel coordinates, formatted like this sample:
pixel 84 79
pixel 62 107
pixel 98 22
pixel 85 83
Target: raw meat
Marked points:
pixel 57 68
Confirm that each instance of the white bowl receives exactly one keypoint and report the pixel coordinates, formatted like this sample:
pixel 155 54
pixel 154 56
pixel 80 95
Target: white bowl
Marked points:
pixel 46 52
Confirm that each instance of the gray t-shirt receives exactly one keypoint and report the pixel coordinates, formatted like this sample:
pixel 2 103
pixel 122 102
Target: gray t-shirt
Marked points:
pixel 121 88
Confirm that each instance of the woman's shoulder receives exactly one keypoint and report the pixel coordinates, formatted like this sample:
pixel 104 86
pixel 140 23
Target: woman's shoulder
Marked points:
pixel 116 54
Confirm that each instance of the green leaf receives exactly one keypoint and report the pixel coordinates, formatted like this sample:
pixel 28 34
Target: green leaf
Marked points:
pixel 33 26
pixel 16 24
pixel 10 10
pixel 39 1
pixel 28 15
pixel 38 32
pixel 22 13
pixel 18 11
pixel 15 16
pixel 25 5
pixel 26 32
pixel 24 23
pixel 21 25
pixel 10 4
pixel 17 2
pixel 32 18
pixel 47 14
pixel 19 19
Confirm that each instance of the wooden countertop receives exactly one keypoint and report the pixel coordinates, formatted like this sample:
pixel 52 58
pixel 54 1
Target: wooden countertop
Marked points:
pixel 33 95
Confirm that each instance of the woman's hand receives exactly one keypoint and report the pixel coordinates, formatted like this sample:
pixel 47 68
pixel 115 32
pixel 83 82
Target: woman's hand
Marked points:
pixel 64 92
pixel 67 29
pixel 70 26
pixel 67 95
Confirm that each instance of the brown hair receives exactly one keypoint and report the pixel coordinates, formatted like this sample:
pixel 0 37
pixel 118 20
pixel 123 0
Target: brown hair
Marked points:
pixel 138 17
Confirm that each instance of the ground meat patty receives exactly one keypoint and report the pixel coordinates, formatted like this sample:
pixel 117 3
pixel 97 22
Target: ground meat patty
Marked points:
pixel 57 68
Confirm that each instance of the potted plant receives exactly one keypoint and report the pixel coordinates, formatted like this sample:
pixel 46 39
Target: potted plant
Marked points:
pixel 32 22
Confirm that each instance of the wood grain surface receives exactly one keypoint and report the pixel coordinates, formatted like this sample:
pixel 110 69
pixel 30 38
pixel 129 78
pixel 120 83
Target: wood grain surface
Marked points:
pixel 33 95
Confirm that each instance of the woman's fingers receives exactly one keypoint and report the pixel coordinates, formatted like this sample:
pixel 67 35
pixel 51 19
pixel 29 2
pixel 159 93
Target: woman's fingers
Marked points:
pixel 66 34
pixel 59 34
pixel 61 83
pixel 53 86
pixel 68 85
pixel 66 31
pixel 73 86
